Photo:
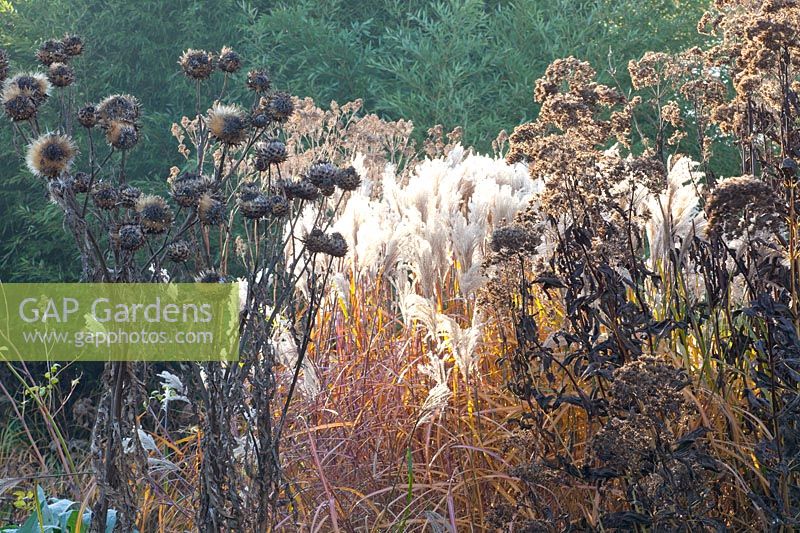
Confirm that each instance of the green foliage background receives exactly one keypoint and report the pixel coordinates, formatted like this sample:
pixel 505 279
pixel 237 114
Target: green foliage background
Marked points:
pixel 469 63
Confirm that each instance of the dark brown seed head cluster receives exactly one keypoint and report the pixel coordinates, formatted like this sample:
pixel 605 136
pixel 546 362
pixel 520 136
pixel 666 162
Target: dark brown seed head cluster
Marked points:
pixel 197 64
pixel 155 215
pixel 348 179
pixel 51 51
pixel 258 81
pixel 745 206
pixel 229 61
pixel 104 195
pixel 332 244
pixel 210 210
pixel 130 237
pixel 178 252
pixel 61 74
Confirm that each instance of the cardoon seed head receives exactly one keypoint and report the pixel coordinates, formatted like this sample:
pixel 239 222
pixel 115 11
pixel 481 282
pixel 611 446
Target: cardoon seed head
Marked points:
pixel 34 85
pixel 259 118
pixel 197 64
pixel 119 107
pixel 104 195
pixel 210 210
pixel 327 188
pixel 254 207
pixel 348 179
pixel 335 245
pixel 209 276
pixel 279 206
pixel 61 74
pixel 80 182
pixel 87 116
pixel 280 106
pixel 321 172
pixel 50 155
pixel 303 189
pixel 130 237
pixel 129 195
pixel 73 45
pixel 248 190
pixel 229 61
pixel 512 238
pixel 121 134
pixel 316 241
pixel 272 152
pixel 258 81
pixel 19 108
pixel 178 252
pixel 186 189
pixel 154 214
pixel 51 51
pixel 227 123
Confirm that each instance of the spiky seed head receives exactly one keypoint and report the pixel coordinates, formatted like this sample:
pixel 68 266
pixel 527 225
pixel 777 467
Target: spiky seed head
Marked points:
pixel 280 106
pixel 255 207
pixel 178 252
pixel 321 172
pixel 248 190
pixel 129 195
pixel 348 179
pixel 197 64
pixel 335 245
pixel 302 189
pixel 316 241
pixel 155 215
pixel 258 80
pixel 121 135
pixel 327 187
pixel 273 151
pixel 210 210
pixel 33 84
pixel 279 206
pixel 227 123
pixel 130 237
pixel 73 45
pixel 209 276
pixel 4 62
pixel 50 155
pixel 51 51
pixel 229 60
pixel 119 107
pixel 61 74
pixel 104 195
pixel 80 182
pixel 87 116
pixel 512 238
pixel 19 108
pixel 186 189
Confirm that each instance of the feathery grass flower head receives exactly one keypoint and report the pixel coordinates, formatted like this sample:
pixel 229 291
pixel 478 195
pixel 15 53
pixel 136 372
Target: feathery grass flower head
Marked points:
pixel 209 276
pixel 3 65
pixel 154 214
pixel 229 61
pixel 228 124
pixel 178 252
pixel 87 116
pixel 119 107
pixel 197 64
pixel 130 237
pixel 34 85
pixel 50 155
pixel 61 74
pixel 258 80
pixel 73 45
pixel 51 51
pixel 280 106
pixel 348 179
pixel 121 134
pixel 104 195
pixel 210 210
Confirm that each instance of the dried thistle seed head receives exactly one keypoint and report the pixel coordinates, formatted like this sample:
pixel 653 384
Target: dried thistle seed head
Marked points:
pixel 229 60
pixel 19 108
pixel 248 190
pixel 321 172
pixel 279 206
pixel 4 62
pixel 178 252
pixel 302 189
pixel 227 124
pixel 104 195
pixel 258 81
pixel 129 195
pixel 87 116
pixel 186 189
pixel 327 188
pixel 259 118
pixel 280 106
pixel 743 206
pixel 50 155
pixel 273 152
pixel 80 182
pixel 197 64
pixel 512 238
pixel 348 179
pixel 254 207
pixel 51 51
pixel 121 135
pixel 316 241
pixel 119 107
pixel 61 74
pixel 73 45
pixel 35 85
pixel 209 276
pixel 154 214
pixel 130 237
pixel 335 245
pixel 210 210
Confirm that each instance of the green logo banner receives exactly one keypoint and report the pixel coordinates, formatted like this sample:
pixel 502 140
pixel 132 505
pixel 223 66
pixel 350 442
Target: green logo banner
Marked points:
pixel 119 321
